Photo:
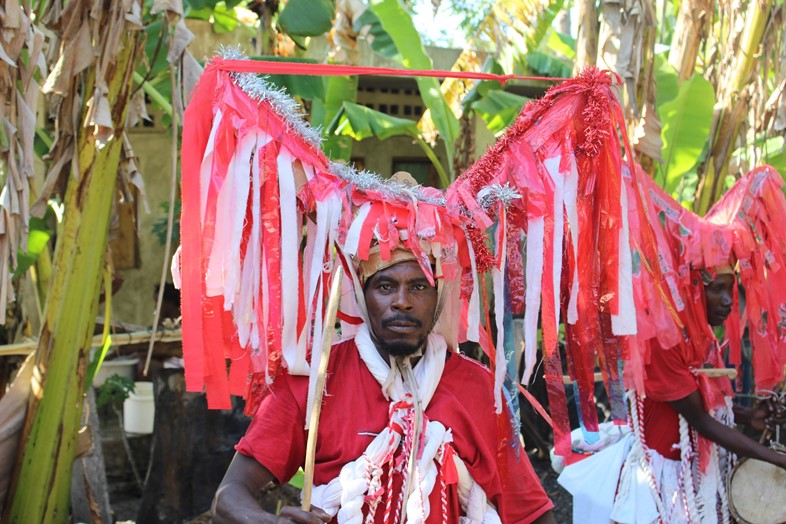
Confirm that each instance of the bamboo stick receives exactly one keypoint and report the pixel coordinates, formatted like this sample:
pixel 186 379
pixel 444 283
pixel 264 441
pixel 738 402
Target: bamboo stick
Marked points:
pixel 316 409
pixel 118 339
pixel 170 219
pixel 710 372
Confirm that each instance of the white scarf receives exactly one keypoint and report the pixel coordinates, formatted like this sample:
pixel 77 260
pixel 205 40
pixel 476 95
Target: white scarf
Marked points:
pixel 361 479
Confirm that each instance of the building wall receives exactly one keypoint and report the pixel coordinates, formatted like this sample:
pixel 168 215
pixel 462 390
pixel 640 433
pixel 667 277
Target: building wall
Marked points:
pixel 135 301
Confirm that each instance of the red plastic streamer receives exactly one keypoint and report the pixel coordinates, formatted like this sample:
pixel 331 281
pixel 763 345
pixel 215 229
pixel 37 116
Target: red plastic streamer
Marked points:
pixel 300 68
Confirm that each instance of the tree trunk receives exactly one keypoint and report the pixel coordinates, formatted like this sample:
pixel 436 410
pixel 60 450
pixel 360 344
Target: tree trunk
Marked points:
pixel 43 471
pixel 733 99
pixel 587 39
pixel 692 22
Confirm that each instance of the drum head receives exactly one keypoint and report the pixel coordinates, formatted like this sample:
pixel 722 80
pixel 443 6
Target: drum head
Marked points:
pixel 757 491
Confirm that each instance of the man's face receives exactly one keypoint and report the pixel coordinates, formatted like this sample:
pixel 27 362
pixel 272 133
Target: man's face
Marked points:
pixel 718 295
pixel 401 305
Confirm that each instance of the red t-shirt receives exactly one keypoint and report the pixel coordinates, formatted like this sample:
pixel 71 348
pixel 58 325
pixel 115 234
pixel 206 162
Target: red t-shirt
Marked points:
pixel 354 411
pixel 669 378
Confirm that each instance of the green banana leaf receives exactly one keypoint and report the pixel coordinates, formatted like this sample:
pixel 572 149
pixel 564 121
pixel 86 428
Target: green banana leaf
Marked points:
pixel 499 109
pixel 307 17
pixel 40 231
pixel 337 91
pixel 778 162
pixel 397 23
pixel 666 80
pixel 686 125
pixel 303 86
pixel 360 122
pixel 380 41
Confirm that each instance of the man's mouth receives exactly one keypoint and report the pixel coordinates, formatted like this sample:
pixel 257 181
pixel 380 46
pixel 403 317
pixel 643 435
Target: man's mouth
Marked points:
pixel 723 315
pixel 401 325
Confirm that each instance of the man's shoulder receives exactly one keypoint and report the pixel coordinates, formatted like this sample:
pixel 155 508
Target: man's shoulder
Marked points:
pixel 469 371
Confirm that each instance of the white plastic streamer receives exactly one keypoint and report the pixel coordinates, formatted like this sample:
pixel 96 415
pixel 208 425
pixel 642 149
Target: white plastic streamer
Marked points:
pixel 552 166
pixel 246 309
pixel 328 214
pixel 534 274
pixel 625 322
pixel 207 167
pixel 498 280
pixel 293 353
pixel 473 308
pixel 353 235
pixel 229 217
pixel 571 209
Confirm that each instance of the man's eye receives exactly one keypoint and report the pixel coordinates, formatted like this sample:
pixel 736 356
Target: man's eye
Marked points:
pixel 419 287
pixel 384 287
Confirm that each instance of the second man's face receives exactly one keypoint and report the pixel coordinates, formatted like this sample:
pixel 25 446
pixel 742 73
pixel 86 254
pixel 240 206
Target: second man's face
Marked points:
pixel 718 296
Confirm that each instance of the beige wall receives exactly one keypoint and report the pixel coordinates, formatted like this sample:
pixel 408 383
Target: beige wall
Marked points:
pixel 135 301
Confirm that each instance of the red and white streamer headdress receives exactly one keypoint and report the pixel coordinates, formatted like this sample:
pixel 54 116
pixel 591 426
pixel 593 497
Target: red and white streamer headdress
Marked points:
pixel 561 250
pixel 754 211
pixel 744 230
pixel 265 217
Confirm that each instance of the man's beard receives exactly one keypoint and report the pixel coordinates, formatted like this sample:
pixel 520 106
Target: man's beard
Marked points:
pixel 399 348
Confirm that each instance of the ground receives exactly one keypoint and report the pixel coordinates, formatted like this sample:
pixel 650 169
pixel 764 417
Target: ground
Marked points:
pixel 563 502
pixel 126 505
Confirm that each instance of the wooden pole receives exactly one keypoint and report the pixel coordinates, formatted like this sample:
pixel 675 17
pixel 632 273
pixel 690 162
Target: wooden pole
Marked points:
pixel 710 372
pixel 118 339
pixel 316 409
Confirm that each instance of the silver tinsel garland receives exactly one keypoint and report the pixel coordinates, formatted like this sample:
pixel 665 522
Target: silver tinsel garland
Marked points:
pixel 497 193
pixel 260 89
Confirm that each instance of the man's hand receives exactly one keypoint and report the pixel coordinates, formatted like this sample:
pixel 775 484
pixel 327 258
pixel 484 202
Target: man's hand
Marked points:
pixel 235 500
pixel 767 414
pixel 692 408
pixel 293 514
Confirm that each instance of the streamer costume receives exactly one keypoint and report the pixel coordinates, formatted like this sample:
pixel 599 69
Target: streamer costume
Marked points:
pixel 559 252
pixel 267 219
pixel 668 471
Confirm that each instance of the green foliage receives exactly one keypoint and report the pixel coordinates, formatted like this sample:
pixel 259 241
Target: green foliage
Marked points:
pixel 302 86
pixel 114 391
pixel 499 109
pixel 40 232
pixel 297 480
pixel 338 90
pixel 548 65
pixel 686 124
pixel 561 44
pixel 221 15
pixel 159 226
pixel 473 13
pixel 380 41
pixel 542 24
pixel 666 80
pixel 777 161
pixel 482 87
pixel 397 22
pixel 307 17
pixel 360 122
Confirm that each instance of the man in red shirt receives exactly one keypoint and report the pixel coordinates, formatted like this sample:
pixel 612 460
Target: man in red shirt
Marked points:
pixel 674 388
pixel 671 473
pixel 407 433
pixel 677 395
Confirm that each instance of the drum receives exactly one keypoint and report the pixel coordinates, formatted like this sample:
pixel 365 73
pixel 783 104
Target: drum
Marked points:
pixel 757 492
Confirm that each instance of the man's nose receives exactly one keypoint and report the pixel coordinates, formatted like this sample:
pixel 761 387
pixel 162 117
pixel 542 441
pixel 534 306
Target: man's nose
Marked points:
pixel 727 299
pixel 402 300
